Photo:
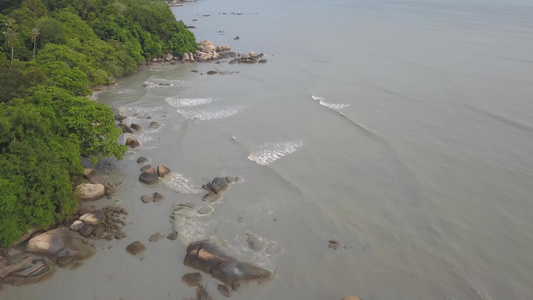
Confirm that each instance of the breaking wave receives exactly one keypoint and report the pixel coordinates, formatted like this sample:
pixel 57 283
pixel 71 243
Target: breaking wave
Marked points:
pixel 188 102
pixel 329 105
pixel 270 152
pixel 179 184
pixel 205 115
pixel 162 83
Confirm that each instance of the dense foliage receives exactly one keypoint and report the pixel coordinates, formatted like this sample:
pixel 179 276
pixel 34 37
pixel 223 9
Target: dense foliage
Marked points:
pixel 51 53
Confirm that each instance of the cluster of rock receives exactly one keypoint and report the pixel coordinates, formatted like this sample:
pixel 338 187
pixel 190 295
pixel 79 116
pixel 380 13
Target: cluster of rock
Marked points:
pixel 217 187
pixel 131 140
pixel 231 272
pixel 250 58
pixel 150 175
pixel 106 223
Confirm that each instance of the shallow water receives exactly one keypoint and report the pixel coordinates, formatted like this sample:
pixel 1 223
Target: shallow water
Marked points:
pixel 402 129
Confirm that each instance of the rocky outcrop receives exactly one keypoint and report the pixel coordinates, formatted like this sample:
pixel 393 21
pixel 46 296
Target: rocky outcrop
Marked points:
pixel 89 191
pixel 61 243
pixel 217 187
pixel 25 268
pixel 209 258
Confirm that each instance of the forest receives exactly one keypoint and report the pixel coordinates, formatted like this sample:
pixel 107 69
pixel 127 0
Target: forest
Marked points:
pixel 52 52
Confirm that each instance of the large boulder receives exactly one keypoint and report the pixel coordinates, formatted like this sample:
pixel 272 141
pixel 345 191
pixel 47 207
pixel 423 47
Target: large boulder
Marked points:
pixel 61 243
pixel 185 56
pixel 89 191
pixel 162 170
pixel 93 218
pixel 149 176
pixel 209 258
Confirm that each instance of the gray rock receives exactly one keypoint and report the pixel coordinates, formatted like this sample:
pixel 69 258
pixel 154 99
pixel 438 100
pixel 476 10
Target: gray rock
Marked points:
pixel 146 199
pixel 89 191
pixel 209 258
pixel 224 290
pixel 125 128
pixel 156 237
pixel 333 244
pixel 154 125
pixel 136 248
pixel 86 230
pixel 157 197
pixel 25 268
pixel 142 160
pixel 211 72
pixel 192 279
pixel 262 61
pixel 219 184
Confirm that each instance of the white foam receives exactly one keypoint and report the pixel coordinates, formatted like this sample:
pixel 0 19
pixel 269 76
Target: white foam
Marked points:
pixel 316 98
pixel 271 152
pixel 124 91
pixel 205 115
pixel 164 83
pixel 188 102
pixel 179 184
pixel 333 105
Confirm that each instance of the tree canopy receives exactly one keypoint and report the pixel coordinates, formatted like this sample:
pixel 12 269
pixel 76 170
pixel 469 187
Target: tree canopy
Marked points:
pixel 51 53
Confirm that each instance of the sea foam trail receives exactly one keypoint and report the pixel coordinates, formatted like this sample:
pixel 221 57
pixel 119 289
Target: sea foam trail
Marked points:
pixel 205 115
pixel 179 184
pixel 270 152
pixel 329 105
pixel 163 83
pixel 188 102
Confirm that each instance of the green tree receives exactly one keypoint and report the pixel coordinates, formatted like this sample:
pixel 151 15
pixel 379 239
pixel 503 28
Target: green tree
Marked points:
pixel 34 35
pixel 11 35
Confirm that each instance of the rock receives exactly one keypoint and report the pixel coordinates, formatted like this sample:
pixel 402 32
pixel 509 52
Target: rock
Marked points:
pixel 133 142
pixel 255 243
pixel 157 197
pixel 86 230
pixel 209 258
pixel 185 56
pixel 146 167
pixel 148 177
pixel 136 248
pixel 194 20
pixel 262 61
pixel 90 173
pixel 155 237
pixel 93 218
pixel 230 179
pixel 173 236
pixel 202 294
pixel 136 127
pixel 351 298
pixel 90 192
pixel 191 57
pixel 206 15
pixel 99 233
pixel 142 160
pixel 205 210
pixel 224 290
pixel 61 242
pixel 194 71
pixel 252 54
pixel 333 244
pixel 219 185
pixel 146 199
pixel 76 225
pixel 191 26
pixel 25 268
pixel 169 57
pixel 236 38
pixel 109 237
pixel 154 125
pixel 162 170
pixel 212 72
pixel 125 128
pixel 110 189
pixel 192 279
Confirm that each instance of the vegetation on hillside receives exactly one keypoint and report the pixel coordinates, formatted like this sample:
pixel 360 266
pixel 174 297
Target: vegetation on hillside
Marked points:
pixel 51 53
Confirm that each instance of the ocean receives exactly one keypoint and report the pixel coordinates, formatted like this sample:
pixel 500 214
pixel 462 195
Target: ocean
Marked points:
pixel 401 129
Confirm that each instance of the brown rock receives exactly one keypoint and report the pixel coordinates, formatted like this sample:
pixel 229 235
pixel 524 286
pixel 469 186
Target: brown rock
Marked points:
pixel 136 127
pixel 86 230
pixel 132 142
pixel 144 168
pixel 173 236
pixel 162 170
pixel 148 177
pixel 136 248
pixel 93 218
pixel 155 237
pixel 146 199
pixel 351 298
pixel 224 290
pixel 157 197
pixel 61 242
pixel 142 160
pixel 192 279
pixel 201 294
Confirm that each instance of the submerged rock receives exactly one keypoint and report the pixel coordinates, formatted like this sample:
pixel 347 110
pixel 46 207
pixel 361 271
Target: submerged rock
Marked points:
pixel 224 290
pixel 192 279
pixel 25 268
pixel 202 294
pixel 142 160
pixel 157 197
pixel 155 237
pixel 146 199
pixel 136 248
pixel 209 258
pixel 333 244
